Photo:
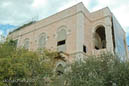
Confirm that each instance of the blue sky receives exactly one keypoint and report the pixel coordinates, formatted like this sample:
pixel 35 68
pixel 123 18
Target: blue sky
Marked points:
pixel 13 13
pixel 6 28
pixel 128 40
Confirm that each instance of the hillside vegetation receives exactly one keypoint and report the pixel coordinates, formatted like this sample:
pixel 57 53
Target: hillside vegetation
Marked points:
pixel 20 67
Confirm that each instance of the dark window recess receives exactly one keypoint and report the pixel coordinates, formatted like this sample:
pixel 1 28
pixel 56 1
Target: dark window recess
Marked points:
pixel 113 34
pixel 84 48
pixel 13 42
pixel 61 43
pixel 96 48
pixel 59 73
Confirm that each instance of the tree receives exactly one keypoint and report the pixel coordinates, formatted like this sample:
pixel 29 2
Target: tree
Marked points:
pixel 104 70
pixel 20 67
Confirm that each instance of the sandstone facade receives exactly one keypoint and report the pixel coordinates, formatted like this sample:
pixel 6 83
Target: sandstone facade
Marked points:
pixel 75 31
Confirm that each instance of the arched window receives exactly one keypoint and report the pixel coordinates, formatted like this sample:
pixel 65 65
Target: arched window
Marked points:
pixel 26 43
pixel 42 41
pixel 100 38
pixel 61 40
pixel 61 34
pixel 60 69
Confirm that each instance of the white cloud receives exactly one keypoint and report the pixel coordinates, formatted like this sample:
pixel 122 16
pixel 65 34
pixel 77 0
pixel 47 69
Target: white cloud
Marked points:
pixel 15 11
pixel 1 32
pixel 20 11
pixel 69 4
pixel 5 4
pixel 2 37
pixel 122 14
pixel 119 8
pixel 73 2
pixel 39 3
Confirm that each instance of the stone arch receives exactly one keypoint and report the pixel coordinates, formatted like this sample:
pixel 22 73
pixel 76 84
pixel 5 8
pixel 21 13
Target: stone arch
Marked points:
pixel 26 43
pixel 60 67
pixel 42 40
pixel 64 30
pixel 61 35
pixel 61 38
pixel 100 37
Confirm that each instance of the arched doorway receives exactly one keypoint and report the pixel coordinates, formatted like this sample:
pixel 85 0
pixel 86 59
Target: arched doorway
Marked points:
pixel 100 38
pixel 60 69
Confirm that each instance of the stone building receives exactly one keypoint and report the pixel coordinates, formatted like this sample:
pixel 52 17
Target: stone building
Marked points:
pixel 75 31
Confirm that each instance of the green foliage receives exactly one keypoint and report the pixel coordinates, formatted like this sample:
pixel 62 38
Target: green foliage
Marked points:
pixel 7 49
pixel 20 67
pixel 104 70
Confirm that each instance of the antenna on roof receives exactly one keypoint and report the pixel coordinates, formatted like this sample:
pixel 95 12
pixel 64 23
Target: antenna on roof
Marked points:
pixel 32 19
pixel 35 18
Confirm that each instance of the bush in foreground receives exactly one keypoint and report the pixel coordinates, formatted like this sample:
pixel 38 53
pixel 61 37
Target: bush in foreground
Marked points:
pixel 104 70
pixel 20 67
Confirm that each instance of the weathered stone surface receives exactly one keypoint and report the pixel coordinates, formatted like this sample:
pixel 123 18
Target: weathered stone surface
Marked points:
pixel 80 26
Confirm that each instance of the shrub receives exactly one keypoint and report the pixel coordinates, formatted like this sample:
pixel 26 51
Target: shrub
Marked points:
pixel 20 67
pixel 104 70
